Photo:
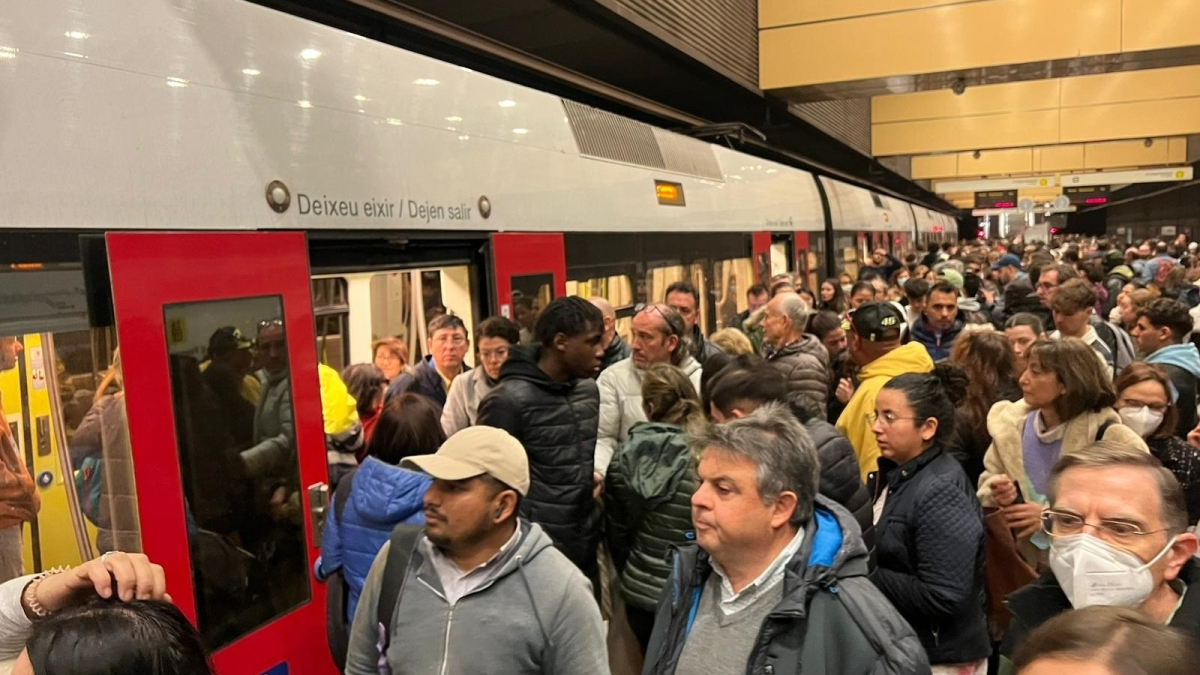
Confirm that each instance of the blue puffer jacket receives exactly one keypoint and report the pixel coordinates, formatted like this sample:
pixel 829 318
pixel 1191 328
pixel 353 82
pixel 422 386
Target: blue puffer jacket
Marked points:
pixel 381 497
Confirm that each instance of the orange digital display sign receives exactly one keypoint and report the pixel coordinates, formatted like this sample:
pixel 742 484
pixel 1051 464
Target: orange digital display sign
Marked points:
pixel 668 193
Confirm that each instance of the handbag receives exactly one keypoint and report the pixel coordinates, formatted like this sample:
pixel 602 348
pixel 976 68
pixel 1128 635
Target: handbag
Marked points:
pixel 1005 571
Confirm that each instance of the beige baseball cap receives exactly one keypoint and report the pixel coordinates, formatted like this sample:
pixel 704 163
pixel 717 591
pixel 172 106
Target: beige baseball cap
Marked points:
pixel 476 451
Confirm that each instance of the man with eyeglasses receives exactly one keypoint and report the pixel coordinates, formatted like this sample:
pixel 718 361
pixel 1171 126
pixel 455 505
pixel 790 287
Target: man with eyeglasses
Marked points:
pixel 447 345
pixel 1046 282
pixel 1119 536
pixel 495 337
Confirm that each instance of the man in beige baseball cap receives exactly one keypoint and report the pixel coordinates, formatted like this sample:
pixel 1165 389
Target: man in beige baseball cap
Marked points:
pixel 477 561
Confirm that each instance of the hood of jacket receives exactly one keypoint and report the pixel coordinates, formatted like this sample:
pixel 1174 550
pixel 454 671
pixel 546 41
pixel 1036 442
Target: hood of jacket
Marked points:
pixel 909 358
pixel 384 494
pixel 969 305
pixel 654 459
pixel 522 365
pixel 1124 272
pixel 922 333
pixel 1183 356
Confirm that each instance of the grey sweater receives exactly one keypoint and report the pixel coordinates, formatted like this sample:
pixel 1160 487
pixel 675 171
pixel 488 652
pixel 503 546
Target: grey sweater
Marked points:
pixel 534 614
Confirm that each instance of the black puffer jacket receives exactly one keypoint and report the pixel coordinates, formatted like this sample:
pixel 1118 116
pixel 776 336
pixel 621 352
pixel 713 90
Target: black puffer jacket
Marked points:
pixel 556 422
pixel 648 507
pixel 702 349
pixel 618 350
pixel 805 364
pixel 929 552
pixel 838 464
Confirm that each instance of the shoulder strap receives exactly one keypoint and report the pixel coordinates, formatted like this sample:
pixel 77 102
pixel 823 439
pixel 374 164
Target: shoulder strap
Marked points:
pixel 1103 429
pixel 341 494
pixel 403 541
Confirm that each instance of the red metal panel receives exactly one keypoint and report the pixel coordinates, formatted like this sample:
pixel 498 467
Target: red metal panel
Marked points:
pixel 520 254
pixel 148 271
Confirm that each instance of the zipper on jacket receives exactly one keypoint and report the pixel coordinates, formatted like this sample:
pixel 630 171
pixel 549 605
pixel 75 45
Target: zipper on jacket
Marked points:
pixel 937 634
pixel 446 648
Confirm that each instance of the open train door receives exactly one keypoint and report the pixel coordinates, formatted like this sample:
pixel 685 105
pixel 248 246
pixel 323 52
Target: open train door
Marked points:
pixel 228 452
pixel 531 270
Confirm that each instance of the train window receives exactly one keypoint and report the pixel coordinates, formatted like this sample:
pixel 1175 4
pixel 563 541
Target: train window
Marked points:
pixel 65 439
pixel 404 302
pixel 617 289
pixel 331 312
pixel 733 278
pixel 237 455
pixel 530 293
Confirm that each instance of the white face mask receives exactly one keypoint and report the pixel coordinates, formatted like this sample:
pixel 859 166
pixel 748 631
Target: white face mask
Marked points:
pixel 846 288
pixel 1093 572
pixel 1142 420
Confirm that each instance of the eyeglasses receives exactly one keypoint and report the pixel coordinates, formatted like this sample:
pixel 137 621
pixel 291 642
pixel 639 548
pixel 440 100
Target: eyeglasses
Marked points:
pixel 266 323
pixel 888 419
pixel 387 357
pixel 1065 524
pixel 455 339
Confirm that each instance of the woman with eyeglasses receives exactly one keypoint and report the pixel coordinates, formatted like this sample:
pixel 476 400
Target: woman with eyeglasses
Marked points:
pixel 929 534
pixel 1144 402
pixel 1066 407
pixel 494 339
pixel 391 356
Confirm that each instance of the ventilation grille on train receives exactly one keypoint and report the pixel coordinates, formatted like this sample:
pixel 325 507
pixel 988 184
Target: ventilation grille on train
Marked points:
pixel 607 136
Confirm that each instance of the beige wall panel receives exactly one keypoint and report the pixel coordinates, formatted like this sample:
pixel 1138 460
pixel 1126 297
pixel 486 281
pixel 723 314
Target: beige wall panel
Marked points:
pixel 938 39
pixel 989 100
pixel 1159 24
pixel 965 133
pixel 773 13
pixel 996 162
pixel 1126 154
pixel 1148 119
pixel 1138 85
pixel 1058 158
pixel 934 166
pixel 1177 154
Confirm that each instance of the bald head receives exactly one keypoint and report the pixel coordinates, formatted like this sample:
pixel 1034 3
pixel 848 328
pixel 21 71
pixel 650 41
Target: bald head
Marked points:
pixel 610 317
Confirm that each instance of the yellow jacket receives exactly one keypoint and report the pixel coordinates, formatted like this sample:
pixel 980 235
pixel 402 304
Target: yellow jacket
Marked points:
pixel 910 358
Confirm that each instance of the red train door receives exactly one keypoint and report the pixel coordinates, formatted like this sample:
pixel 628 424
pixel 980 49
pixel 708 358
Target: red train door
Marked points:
pixel 223 403
pixel 531 270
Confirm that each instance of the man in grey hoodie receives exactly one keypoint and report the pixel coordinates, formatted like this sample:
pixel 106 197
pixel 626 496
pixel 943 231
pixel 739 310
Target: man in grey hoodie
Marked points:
pixel 484 592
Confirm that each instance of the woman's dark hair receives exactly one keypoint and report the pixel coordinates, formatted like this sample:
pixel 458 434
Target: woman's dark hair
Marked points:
pixel 109 637
pixel 716 367
pixel 823 323
pixel 838 303
pixel 932 395
pixel 1074 363
pixel 1031 321
pixel 410 424
pixel 1125 641
pixel 365 383
pixel 987 360
pixel 498 327
pixel 863 285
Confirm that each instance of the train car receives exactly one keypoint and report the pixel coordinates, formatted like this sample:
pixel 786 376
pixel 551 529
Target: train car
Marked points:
pixel 175 171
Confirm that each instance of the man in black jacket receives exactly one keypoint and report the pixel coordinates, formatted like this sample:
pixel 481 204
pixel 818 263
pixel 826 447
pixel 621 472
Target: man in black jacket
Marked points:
pixel 548 400
pixel 737 392
pixel 615 349
pixel 683 297
pixel 447 345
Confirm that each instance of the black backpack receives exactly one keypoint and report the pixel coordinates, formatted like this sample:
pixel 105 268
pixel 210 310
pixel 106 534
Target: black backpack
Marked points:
pixel 338 592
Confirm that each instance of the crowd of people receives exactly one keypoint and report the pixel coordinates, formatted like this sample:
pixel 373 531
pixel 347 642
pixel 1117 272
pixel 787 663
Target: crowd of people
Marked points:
pixel 980 459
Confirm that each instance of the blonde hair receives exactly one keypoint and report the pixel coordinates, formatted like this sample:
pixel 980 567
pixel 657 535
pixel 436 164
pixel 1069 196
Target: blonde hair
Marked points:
pixel 668 396
pixel 732 341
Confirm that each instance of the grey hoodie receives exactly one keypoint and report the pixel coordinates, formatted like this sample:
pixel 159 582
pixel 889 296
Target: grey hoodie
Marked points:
pixel 534 614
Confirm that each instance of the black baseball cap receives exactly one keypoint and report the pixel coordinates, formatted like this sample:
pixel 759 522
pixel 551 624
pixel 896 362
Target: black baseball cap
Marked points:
pixel 227 339
pixel 876 322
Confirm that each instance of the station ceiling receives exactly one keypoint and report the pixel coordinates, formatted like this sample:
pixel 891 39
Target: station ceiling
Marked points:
pixel 968 89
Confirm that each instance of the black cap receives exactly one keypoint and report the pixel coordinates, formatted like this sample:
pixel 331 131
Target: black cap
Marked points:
pixel 227 339
pixel 876 322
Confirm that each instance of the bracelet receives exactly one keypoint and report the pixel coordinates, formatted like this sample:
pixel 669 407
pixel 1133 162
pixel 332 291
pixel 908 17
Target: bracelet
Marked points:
pixel 29 602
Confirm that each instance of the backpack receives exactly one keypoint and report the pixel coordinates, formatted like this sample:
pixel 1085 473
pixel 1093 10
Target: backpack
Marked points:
pixel 395 572
pixel 89 483
pixel 338 594
pixel 1119 344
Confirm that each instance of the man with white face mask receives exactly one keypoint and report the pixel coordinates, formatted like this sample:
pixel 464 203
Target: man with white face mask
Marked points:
pixel 1119 536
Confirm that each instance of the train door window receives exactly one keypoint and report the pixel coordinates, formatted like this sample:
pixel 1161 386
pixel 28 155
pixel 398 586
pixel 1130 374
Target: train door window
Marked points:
pixel 732 278
pixel 530 293
pixel 617 289
pixel 238 464
pixel 331 311
pixel 779 258
pixel 63 403
pixel 846 250
pixel 699 276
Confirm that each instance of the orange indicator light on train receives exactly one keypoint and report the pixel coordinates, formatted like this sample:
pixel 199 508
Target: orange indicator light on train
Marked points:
pixel 669 193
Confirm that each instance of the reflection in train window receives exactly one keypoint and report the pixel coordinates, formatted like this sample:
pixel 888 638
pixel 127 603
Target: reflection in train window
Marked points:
pixel 530 293
pixel 733 279
pixel 331 311
pixel 237 456
pixel 617 289
pixel 64 408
